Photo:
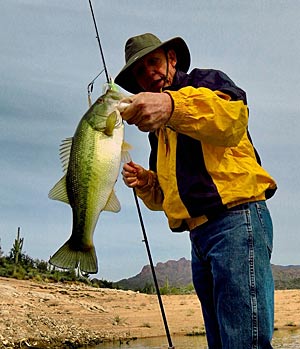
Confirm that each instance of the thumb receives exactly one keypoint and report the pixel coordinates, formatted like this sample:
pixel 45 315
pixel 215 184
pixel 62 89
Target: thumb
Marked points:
pixel 123 104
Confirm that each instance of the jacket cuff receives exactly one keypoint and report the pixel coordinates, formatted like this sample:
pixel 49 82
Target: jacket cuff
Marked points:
pixel 151 183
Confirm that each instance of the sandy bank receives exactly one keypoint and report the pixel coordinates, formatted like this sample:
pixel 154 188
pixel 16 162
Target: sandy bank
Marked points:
pixel 66 315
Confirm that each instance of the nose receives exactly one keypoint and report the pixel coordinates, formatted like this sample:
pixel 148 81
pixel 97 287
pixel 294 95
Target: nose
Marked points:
pixel 143 74
pixel 148 70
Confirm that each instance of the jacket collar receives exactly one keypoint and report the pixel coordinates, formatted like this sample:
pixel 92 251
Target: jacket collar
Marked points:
pixel 180 79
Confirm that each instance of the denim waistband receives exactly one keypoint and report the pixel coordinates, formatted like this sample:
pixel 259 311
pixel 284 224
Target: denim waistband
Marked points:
pixel 208 217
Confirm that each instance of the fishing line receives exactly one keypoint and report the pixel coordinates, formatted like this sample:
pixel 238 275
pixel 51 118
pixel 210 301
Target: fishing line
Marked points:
pixel 145 239
pixel 90 87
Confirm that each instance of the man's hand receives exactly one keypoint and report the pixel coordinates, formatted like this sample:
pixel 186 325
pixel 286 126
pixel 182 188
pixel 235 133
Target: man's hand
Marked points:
pixel 134 175
pixel 148 111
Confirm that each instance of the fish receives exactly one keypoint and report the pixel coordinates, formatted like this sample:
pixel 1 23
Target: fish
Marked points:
pixel 91 162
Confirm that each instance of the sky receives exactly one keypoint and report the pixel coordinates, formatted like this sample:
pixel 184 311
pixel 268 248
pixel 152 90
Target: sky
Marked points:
pixel 49 54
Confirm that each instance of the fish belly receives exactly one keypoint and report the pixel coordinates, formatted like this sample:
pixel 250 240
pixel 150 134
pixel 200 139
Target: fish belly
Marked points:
pixel 93 174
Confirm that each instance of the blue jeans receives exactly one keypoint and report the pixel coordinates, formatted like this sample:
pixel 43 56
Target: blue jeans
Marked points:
pixel 233 278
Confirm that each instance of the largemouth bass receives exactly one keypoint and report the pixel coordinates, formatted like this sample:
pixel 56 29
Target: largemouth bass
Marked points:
pixel 91 162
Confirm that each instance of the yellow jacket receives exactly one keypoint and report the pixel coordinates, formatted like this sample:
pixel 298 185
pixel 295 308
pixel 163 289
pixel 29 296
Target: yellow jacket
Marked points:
pixel 203 161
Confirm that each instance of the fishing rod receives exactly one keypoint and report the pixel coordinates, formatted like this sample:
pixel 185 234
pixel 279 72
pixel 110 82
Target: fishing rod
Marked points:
pixel 145 239
pixel 153 271
pixel 99 43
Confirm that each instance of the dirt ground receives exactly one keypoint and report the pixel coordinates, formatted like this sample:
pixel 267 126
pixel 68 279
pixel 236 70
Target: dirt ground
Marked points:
pixel 48 315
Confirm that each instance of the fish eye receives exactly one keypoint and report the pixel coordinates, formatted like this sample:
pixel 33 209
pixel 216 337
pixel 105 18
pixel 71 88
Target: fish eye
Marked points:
pixel 99 100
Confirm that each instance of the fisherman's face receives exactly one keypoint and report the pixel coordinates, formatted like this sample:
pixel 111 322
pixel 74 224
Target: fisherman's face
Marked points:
pixel 150 71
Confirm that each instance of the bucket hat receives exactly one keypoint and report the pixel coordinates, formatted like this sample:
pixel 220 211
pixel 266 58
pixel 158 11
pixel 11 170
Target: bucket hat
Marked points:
pixel 139 46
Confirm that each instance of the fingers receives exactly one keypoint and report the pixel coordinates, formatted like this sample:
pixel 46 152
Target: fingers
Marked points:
pixel 126 108
pixel 134 175
pixel 129 174
pixel 148 111
pixel 135 110
pixel 122 106
pixel 132 113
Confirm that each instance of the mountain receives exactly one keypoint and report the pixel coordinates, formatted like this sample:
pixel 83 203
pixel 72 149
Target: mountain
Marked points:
pixel 178 274
pixel 286 277
pixel 175 273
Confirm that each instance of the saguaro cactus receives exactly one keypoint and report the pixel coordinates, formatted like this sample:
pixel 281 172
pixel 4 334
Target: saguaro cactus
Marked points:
pixel 17 247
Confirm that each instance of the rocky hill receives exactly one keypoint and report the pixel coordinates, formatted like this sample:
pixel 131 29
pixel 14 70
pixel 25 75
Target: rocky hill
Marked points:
pixel 286 277
pixel 175 273
pixel 178 274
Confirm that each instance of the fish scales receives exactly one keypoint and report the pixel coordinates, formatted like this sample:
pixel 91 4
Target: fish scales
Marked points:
pixel 94 155
pixel 99 162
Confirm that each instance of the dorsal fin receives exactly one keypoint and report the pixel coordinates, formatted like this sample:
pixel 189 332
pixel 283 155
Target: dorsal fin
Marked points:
pixel 64 152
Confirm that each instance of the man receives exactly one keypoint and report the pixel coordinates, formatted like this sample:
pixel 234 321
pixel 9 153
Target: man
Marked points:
pixel 206 176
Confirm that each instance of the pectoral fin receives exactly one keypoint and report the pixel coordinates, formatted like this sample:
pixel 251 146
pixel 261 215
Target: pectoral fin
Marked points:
pixel 125 156
pixel 113 204
pixel 110 123
pixel 59 191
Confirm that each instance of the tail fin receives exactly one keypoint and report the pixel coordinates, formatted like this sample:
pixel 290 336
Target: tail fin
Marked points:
pixel 68 258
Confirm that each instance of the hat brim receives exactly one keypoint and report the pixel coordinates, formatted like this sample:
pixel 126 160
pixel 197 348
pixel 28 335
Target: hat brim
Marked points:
pixel 125 78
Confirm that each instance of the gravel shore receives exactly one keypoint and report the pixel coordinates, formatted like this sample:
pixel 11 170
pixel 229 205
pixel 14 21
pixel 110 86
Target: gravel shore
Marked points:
pixel 63 315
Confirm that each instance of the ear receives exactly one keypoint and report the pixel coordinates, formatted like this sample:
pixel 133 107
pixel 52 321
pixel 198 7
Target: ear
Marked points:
pixel 172 57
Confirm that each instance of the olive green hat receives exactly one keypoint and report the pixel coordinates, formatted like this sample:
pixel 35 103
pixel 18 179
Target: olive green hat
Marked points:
pixel 139 46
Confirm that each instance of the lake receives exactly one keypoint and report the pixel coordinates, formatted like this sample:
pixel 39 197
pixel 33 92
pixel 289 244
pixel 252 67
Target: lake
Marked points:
pixel 282 339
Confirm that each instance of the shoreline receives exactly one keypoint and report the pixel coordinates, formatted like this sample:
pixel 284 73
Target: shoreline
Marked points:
pixel 69 315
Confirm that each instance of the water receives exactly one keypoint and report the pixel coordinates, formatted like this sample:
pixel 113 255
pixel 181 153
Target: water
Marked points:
pixel 282 339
